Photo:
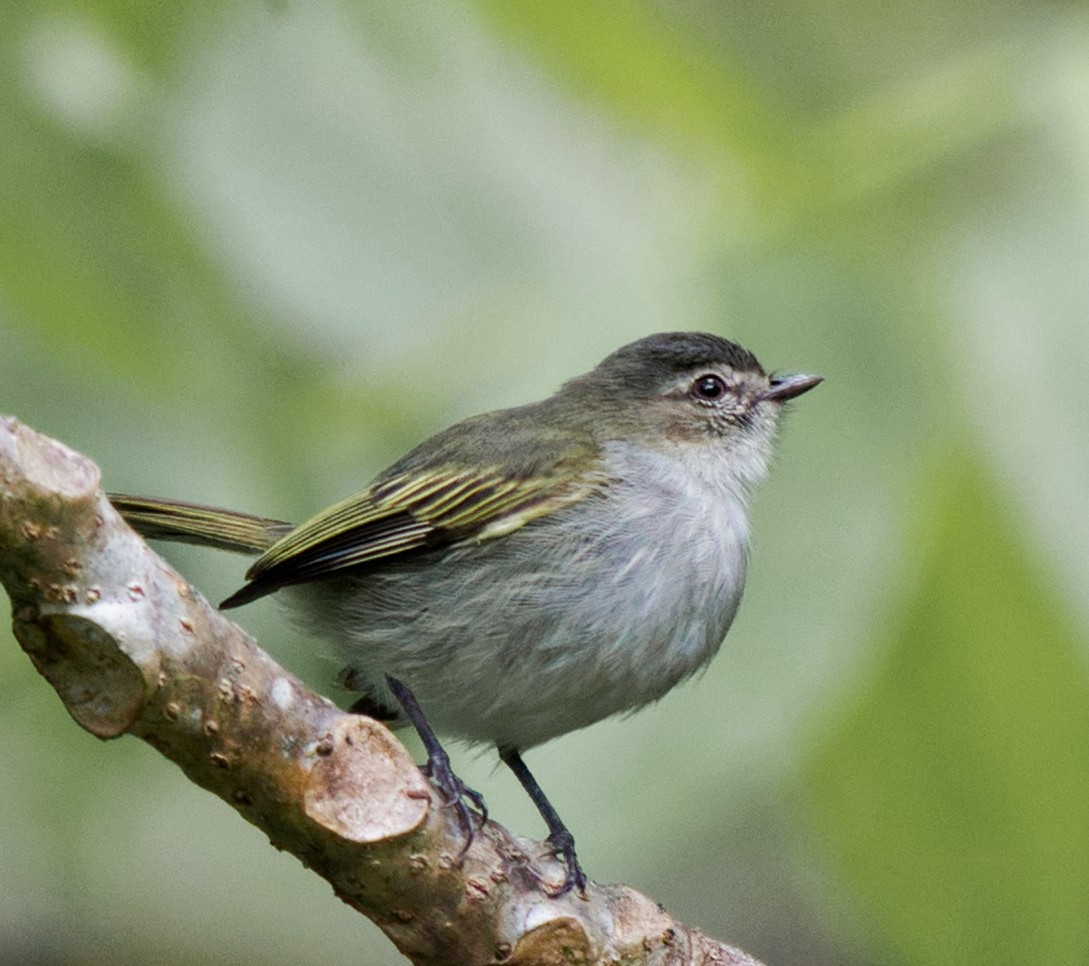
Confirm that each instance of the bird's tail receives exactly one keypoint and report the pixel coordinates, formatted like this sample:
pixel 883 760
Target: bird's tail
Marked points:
pixel 205 526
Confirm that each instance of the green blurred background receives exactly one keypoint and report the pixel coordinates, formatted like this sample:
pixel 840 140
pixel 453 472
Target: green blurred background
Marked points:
pixel 250 252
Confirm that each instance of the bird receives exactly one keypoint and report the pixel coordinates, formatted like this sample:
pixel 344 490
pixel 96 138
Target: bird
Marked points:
pixel 529 571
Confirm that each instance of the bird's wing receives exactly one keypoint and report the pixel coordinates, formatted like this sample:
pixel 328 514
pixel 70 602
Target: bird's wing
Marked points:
pixel 404 512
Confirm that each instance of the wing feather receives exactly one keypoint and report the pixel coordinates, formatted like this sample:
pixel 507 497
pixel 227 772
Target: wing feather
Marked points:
pixel 409 512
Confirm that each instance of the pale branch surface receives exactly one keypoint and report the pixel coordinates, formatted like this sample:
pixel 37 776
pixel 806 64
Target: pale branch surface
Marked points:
pixel 131 648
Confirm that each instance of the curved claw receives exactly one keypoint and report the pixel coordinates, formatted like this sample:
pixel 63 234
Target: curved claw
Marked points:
pixel 562 845
pixel 454 793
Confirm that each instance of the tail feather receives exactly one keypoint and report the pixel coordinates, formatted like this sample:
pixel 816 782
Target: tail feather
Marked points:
pixel 205 526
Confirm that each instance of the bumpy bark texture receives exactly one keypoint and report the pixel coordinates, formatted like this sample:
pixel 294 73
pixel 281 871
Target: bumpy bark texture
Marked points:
pixel 132 649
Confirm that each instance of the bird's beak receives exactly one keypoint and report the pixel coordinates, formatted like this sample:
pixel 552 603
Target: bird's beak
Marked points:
pixel 783 388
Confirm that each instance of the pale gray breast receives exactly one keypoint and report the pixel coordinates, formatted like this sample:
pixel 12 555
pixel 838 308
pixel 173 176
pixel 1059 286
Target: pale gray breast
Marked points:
pixel 677 548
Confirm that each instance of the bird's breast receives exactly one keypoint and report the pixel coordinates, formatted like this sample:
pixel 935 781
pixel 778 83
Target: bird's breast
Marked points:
pixel 671 554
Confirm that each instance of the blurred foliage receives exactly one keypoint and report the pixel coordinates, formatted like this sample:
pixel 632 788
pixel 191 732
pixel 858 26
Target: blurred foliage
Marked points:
pixel 952 787
pixel 250 253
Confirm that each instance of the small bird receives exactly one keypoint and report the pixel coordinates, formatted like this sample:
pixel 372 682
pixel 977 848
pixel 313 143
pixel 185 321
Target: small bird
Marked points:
pixel 530 571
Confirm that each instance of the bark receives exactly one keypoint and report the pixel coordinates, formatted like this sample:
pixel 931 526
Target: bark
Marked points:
pixel 131 648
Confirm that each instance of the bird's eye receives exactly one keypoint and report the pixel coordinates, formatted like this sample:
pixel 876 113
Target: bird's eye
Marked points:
pixel 709 386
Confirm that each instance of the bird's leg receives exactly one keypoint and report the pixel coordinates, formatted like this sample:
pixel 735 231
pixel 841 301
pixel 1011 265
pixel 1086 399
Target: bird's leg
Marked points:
pixel 560 840
pixel 438 769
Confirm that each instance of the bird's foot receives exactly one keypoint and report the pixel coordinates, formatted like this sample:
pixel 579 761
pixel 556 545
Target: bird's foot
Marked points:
pixel 456 795
pixel 562 845
pixel 454 791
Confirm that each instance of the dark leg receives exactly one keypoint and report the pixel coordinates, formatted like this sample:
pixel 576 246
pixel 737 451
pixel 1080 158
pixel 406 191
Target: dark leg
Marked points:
pixel 560 839
pixel 454 790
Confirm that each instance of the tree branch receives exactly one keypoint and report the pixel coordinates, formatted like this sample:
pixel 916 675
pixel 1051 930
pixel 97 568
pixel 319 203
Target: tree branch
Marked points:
pixel 131 648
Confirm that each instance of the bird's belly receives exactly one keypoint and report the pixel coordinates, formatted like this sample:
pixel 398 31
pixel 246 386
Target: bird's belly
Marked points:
pixel 520 639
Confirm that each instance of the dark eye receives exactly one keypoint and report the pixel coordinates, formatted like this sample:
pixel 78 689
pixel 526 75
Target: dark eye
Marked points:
pixel 709 386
